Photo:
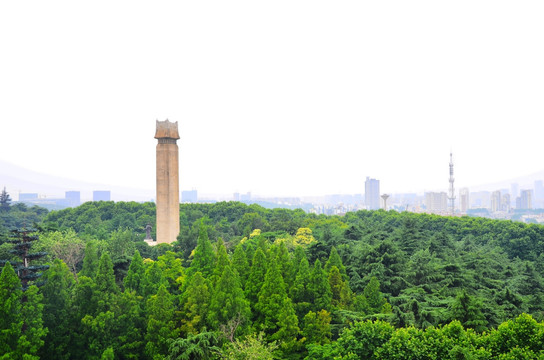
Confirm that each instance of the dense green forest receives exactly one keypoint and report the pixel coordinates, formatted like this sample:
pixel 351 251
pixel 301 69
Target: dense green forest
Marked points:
pixel 245 282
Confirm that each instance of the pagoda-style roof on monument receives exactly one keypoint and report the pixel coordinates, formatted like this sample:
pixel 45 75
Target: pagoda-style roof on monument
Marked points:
pixel 167 129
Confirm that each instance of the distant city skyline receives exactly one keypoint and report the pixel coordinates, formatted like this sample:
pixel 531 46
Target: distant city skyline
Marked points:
pixel 338 92
pixel 57 187
pixel 494 197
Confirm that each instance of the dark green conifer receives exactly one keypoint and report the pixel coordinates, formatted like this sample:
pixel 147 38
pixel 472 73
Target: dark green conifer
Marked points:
pixel 256 277
pixel 240 263
pixel 335 260
pixel 228 301
pixel 221 261
pixel 135 275
pixel 160 324
pixel 468 311
pixel 31 339
pixel 299 293
pixel 203 256
pixel 90 261
pixel 58 317
pixel 319 288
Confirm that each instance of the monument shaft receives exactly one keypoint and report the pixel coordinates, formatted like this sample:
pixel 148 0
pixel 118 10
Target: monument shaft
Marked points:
pixel 167 182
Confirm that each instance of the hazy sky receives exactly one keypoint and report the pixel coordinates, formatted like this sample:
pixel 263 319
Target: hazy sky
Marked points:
pixel 276 97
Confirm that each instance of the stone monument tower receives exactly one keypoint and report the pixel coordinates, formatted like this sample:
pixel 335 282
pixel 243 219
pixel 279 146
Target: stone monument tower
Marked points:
pixel 167 182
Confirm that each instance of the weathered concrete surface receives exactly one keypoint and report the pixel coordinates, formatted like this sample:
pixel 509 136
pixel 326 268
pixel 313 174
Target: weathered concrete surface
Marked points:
pixel 167 182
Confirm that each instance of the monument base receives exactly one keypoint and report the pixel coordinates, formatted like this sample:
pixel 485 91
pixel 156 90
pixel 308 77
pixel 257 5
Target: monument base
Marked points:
pixel 150 242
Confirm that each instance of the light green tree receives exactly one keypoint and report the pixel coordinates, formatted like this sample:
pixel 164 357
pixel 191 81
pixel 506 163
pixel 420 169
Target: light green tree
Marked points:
pixel 240 263
pixel 250 347
pixel 160 324
pixel 195 302
pixel 135 275
pixel 341 293
pixel 317 327
pixel 11 320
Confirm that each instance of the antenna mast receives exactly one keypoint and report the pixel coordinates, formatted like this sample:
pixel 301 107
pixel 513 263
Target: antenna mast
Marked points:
pixel 451 198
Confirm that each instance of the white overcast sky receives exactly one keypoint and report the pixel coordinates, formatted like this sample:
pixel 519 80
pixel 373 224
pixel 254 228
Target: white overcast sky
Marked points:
pixel 275 97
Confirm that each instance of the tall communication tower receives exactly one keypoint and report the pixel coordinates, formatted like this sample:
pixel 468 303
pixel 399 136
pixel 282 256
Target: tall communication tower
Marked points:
pixel 451 198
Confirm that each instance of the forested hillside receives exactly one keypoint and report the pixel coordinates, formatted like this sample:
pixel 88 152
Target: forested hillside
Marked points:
pixel 280 283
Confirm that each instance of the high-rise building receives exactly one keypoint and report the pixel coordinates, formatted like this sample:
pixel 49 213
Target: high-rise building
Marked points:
pixel 73 198
pixel 538 201
pixel 101 195
pixel 372 193
pixel 451 196
pixel 167 181
pixel 436 202
pixel 464 197
pixel 505 203
pixel 514 191
pixel 28 196
pixel 525 200
pixel 496 201
pixel 189 196
pixel 245 197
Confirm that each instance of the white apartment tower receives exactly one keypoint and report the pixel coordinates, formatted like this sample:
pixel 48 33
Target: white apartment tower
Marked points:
pixel 372 194
pixel 436 202
pixel 464 198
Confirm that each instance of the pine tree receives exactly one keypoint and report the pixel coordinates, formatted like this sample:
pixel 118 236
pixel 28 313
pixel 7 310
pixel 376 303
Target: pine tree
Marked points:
pixel 256 277
pixel 195 302
pixel 98 333
pixel 57 318
pixel 172 270
pixel 202 346
pixel 299 293
pixel 284 260
pixel 153 278
pixel 372 300
pixel 240 263
pixel 106 288
pixel 204 257
pixel 90 261
pixel 287 330
pixel 11 320
pixel 317 328
pixel 31 339
pixel 108 354
pixel 271 299
pixel 131 325
pixel 100 326
pixel 221 261
pixel 135 275
pixel 319 288
pixel 84 301
pixel 335 260
pixel 298 255
pixel 468 311
pixel 22 241
pixel 5 200
pixel 341 293
pixel 228 300
pixel 160 326
pixel 410 235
